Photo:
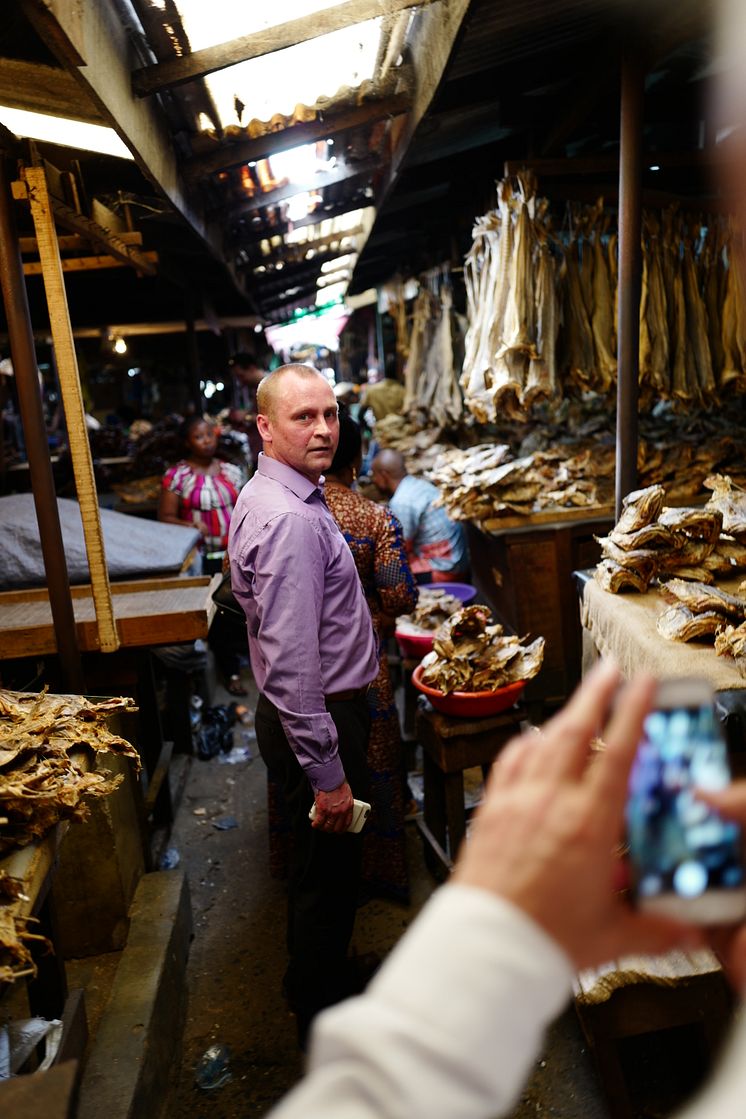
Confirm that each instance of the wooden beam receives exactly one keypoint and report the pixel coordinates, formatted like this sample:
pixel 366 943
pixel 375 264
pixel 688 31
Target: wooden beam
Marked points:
pixel 342 173
pixel 245 239
pixel 163 75
pixel 73 242
pixel 307 132
pixel 433 38
pixel 603 164
pixel 72 400
pixel 84 263
pixel 95 233
pixel 45 89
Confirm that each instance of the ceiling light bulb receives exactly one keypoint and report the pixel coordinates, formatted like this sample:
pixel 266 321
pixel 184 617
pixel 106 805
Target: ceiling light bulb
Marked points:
pixel 120 346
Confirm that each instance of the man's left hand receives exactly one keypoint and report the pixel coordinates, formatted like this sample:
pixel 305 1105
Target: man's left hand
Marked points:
pixel 333 810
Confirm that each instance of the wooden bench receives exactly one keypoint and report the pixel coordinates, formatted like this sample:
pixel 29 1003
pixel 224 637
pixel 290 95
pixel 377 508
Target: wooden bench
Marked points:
pixel 641 995
pixel 450 745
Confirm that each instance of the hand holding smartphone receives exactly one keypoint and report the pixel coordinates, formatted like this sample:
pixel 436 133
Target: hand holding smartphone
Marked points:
pixel 360 813
pixel 686 860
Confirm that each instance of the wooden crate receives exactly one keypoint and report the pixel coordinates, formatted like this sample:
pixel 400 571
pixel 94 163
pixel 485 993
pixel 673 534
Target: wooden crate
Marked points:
pixel 525 574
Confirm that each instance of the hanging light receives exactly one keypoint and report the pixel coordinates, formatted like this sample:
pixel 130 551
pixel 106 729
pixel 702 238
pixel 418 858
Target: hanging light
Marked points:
pixel 120 346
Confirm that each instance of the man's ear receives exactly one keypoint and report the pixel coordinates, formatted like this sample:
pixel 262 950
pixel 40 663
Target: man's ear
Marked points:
pixel 264 428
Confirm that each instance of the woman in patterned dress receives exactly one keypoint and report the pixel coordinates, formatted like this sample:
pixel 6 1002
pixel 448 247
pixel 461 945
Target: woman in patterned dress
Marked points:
pixel 201 491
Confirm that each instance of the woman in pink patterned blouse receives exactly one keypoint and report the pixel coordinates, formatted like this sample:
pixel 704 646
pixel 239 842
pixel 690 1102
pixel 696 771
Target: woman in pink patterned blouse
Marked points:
pixel 202 490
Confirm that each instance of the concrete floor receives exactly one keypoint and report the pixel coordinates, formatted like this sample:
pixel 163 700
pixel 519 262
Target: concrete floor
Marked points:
pixel 237 957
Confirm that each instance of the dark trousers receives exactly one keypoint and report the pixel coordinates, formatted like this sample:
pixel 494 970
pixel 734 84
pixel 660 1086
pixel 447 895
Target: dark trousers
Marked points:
pixel 325 869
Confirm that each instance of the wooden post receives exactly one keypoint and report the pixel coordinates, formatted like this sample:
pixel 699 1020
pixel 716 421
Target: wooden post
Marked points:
pixel 630 271
pixel 40 467
pixel 72 401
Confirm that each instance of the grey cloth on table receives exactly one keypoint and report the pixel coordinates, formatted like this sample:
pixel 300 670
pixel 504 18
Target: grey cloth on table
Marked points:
pixel 134 547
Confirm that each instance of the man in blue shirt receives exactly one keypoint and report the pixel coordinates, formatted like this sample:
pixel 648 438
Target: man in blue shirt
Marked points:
pixel 436 545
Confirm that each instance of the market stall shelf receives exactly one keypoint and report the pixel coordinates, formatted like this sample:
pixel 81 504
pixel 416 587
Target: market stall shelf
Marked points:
pixel 147 612
pixel 524 571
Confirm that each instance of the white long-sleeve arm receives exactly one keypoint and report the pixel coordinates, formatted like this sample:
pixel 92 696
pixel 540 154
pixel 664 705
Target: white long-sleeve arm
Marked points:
pixel 449 1027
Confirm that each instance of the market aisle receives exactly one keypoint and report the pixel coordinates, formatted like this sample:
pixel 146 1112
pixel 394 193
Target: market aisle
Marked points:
pixel 237 957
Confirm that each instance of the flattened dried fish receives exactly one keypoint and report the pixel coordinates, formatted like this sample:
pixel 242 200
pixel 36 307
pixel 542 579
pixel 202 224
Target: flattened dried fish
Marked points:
pixel 681 624
pixel 650 536
pixel 703 524
pixel 701 598
pixel 471 655
pixel 730 501
pixel 642 560
pixel 614 578
pixel 640 508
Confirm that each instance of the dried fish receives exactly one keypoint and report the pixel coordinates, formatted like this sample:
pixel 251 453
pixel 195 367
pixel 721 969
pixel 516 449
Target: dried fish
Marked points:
pixel 700 598
pixel 730 501
pixel 469 654
pixel 679 623
pixel 615 578
pixel 640 508
pixel 705 524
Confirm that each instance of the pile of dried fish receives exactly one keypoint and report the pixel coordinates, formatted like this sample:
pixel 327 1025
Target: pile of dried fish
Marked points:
pixel 698 610
pixel 470 655
pixel 486 483
pixel 433 608
pixel 652 541
pixel 40 782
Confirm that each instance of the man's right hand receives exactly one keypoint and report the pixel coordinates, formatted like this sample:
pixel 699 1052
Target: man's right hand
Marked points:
pixel 333 810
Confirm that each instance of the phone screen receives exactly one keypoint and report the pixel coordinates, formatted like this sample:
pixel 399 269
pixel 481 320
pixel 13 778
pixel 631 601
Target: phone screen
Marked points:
pixel 677 844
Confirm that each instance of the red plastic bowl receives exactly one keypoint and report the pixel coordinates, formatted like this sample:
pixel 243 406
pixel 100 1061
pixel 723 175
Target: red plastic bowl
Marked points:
pixel 414 645
pixel 470 703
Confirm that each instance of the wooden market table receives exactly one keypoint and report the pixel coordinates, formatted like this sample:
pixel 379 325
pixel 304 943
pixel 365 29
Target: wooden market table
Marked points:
pixel 524 571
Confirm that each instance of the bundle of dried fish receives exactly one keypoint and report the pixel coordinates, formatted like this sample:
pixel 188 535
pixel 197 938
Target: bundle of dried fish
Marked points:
pixel 731 502
pixel 15 958
pixel 469 654
pixel 640 508
pixel 40 782
pixel 700 524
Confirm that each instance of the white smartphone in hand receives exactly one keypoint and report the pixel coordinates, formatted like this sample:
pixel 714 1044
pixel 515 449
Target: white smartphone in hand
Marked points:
pixel 360 813
pixel 686 860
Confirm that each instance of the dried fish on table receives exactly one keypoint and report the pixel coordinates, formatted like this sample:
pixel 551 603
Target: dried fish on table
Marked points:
pixel 643 560
pixel 679 623
pixel 615 578
pixel 701 598
pixel 731 502
pixel 654 536
pixel 731 642
pixel 733 551
pixel 703 524
pixel 640 508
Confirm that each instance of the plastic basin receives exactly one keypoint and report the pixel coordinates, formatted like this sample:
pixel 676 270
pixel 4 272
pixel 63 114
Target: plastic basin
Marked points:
pixel 470 703
pixel 464 591
pixel 414 645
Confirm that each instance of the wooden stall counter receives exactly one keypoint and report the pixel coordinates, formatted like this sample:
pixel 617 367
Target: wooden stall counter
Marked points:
pixel 147 612
pixel 524 571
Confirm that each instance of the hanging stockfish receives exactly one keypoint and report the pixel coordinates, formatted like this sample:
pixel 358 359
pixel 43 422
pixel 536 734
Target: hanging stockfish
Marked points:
pixel 417 348
pixel 602 317
pixel 703 387
pixel 542 382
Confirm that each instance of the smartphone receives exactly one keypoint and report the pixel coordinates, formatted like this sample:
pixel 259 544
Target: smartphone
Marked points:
pixel 686 861
pixel 360 813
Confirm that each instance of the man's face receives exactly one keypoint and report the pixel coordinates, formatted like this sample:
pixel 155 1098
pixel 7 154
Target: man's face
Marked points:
pixel 303 431
pixel 381 479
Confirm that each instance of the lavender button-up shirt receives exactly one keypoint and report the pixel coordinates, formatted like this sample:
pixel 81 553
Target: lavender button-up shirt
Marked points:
pixel 310 631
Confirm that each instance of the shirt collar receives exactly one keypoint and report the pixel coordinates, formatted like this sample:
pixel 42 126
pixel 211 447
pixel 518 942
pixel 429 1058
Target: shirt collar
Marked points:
pixel 301 486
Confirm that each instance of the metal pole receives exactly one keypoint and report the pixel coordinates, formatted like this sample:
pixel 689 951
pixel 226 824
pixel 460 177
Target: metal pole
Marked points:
pixel 191 354
pixel 20 335
pixel 630 271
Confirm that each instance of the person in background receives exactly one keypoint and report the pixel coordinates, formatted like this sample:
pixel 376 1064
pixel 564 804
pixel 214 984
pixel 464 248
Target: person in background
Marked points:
pixel 436 545
pixel 247 375
pixel 313 654
pixel 386 396
pixel 377 545
pixel 202 490
pixel 454 1019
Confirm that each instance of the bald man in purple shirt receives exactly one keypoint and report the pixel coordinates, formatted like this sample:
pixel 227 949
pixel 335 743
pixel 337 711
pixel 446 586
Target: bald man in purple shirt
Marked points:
pixel 313 655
